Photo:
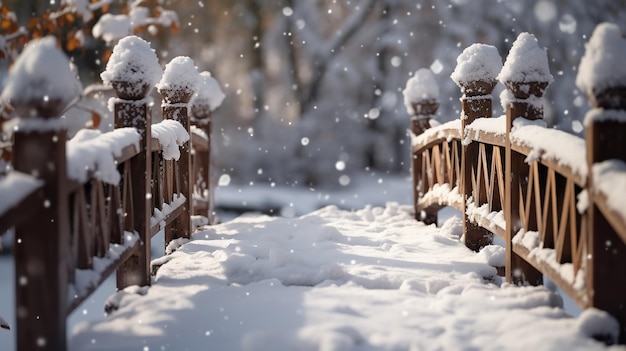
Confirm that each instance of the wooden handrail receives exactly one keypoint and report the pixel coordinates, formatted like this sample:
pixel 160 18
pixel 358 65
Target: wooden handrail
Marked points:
pixel 554 220
pixel 110 224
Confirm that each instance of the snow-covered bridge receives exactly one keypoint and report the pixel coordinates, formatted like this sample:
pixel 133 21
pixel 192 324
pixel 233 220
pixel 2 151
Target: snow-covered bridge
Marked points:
pixel 330 280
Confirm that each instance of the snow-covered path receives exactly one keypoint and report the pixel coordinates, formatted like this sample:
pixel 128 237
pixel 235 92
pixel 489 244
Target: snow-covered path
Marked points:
pixel 374 279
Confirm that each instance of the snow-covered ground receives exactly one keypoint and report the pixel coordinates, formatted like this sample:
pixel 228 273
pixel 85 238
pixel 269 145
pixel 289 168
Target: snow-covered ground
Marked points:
pixel 371 279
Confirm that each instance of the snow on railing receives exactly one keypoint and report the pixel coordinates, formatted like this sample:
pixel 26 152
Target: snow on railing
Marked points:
pixel 557 200
pixel 98 198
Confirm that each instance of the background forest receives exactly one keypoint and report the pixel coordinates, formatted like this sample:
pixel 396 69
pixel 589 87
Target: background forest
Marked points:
pixel 314 87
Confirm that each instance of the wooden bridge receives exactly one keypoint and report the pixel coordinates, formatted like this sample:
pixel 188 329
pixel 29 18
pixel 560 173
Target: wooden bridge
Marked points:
pixel 557 219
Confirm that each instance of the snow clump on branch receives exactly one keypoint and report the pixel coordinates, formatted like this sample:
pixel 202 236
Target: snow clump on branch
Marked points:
pixel 133 61
pixel 526 63
pixel 421 87
pixel 478 62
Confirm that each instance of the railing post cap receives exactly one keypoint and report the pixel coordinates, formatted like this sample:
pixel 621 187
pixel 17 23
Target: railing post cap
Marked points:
pixel 180 80
pixel 421 93
pixel 477 68
pixel 208 97
pixel 601 73
pixel 526 71
pixel 41 82
pixel 133 68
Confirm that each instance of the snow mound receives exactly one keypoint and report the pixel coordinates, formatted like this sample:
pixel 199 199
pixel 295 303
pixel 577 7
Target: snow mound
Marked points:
pixel 135 62
pixel 171 135
pixel 526 63
pixel 478 62
pixel 421 87
pixel 602 67
pixel 91 150
pixel 41 77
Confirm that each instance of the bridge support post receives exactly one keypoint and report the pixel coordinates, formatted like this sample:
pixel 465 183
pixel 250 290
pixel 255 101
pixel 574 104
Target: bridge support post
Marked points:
pixel 134 111
pixel 475 103
pixel 607 250
pixel 421 100
pixel 208 97
pixel 41 245
pixel 177 91
pixel 41 250
pixel 526 76
pixel 518 271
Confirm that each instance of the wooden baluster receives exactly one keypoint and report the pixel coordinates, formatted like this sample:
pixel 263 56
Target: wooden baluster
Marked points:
pixel 132 109
pixel 525 102
pixel 41 246
pixel 606 250
pixel 176 95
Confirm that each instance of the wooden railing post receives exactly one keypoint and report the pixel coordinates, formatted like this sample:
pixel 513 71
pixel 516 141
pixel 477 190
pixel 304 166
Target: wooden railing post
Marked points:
pixel 132 109
pixel 41 245
pixel 606 256
pixel 421 97
pixel 525 85
pixel 177 87
pixel 476 72
pixel 206 99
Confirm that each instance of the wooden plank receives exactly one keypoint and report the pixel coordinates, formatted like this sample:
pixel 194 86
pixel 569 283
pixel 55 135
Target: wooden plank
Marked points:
pixel 168 219
pixel 442 136
pixel 579 297
pixel 199 143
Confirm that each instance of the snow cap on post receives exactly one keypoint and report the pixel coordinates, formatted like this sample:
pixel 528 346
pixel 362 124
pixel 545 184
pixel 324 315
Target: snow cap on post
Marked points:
pixel 526 71
pixel 133 68
pixel 477 69
pixel 421 94
pixel 602 73
pixel 207 98
pixel 40 82
pixel 180 80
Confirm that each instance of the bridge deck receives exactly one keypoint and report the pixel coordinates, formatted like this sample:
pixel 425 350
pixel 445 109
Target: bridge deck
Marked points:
pixel 374 279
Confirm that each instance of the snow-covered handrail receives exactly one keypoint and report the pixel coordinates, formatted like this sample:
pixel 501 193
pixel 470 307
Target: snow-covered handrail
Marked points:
pixel 557 200
pixel 98 198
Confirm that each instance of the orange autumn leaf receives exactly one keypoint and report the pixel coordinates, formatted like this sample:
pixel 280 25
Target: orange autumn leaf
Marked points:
pixel 72 44
pixel 95 120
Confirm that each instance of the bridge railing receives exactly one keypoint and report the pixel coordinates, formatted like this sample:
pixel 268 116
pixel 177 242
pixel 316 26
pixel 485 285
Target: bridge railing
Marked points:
pixel 555 199
pixel 87 207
